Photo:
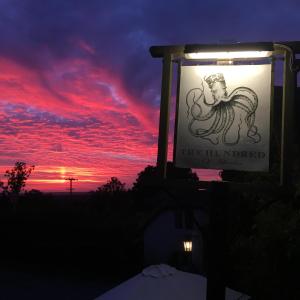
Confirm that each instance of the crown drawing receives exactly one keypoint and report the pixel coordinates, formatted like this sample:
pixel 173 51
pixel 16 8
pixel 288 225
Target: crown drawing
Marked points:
pixel 211 79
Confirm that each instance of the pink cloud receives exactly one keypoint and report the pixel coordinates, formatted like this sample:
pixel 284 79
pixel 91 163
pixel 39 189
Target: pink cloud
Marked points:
pixel 76 117
pixel 73 116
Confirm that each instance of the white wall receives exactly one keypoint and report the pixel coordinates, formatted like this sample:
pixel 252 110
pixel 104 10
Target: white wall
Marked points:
pixel 162 240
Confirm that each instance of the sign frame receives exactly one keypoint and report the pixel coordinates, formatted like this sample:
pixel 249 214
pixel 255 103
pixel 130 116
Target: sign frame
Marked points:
pixel 287 50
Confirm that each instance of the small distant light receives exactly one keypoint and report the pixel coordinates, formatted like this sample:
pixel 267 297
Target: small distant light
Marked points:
pixel 228 55
pixel 188 246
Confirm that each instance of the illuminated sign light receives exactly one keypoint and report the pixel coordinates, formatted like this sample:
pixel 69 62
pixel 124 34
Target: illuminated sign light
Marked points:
pixel 228 55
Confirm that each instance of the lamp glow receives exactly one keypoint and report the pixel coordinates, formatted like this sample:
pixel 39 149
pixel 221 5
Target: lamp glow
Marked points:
pixel 228 54
pixel 188 246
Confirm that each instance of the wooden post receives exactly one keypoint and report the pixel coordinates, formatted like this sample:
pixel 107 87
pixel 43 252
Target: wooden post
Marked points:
pixel 164 119
pixel 287 129
pixel 217 241
pixel 71 179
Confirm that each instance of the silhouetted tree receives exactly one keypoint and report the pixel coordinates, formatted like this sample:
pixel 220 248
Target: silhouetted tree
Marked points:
pixel 109 197
pixel 34 193
pixel 147 176
pixel 2 186
pixel 113 186
pixel 16 178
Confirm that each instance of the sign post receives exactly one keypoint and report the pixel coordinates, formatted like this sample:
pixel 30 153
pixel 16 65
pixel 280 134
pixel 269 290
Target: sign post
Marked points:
pixel 288 105
pixel 217 241
pixel 164 118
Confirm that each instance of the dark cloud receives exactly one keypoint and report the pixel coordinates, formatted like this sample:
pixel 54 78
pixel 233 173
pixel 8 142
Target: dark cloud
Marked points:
pixel 116 35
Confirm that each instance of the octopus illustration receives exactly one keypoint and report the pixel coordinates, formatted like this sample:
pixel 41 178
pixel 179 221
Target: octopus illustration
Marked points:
pixel 213 117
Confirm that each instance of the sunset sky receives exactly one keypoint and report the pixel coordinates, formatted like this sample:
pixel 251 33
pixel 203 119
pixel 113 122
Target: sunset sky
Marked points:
pixel 79 91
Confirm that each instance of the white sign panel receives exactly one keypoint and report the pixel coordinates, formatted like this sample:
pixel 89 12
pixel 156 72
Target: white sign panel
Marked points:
pixel 223 117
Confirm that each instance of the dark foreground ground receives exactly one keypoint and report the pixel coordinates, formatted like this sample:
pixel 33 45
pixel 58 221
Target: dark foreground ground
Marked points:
pixel 55 248
pixel 36 282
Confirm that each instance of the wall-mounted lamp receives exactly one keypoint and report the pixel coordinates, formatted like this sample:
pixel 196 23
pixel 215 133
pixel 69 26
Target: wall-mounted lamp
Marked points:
pixel 188 245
